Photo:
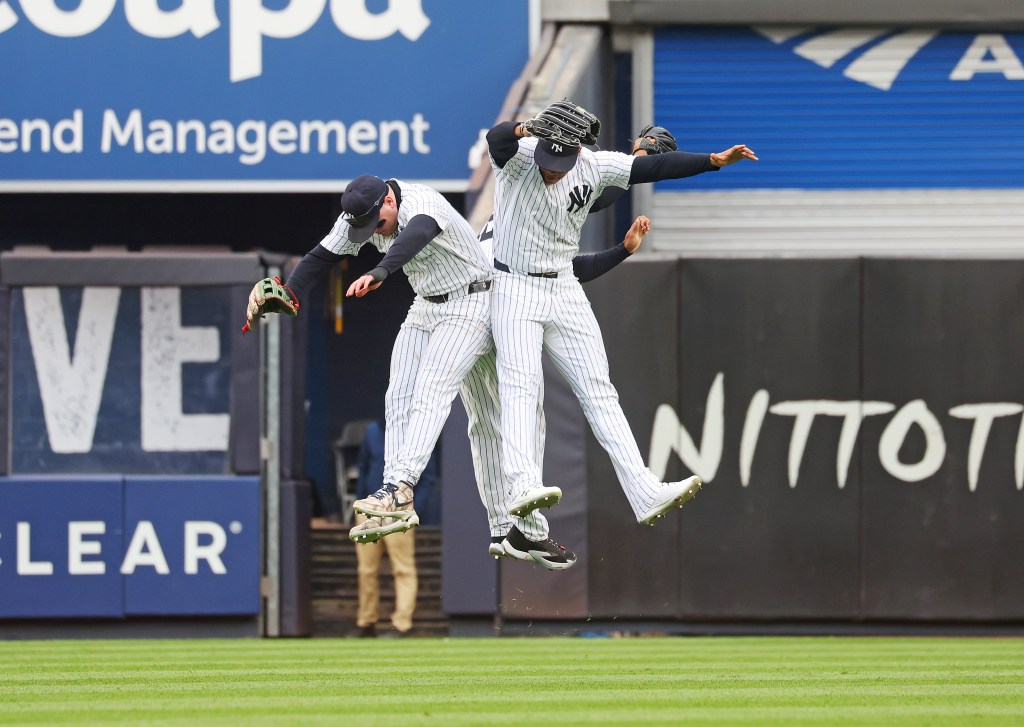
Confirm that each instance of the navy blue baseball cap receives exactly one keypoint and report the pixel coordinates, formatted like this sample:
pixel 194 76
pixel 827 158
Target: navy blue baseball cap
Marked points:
pixel 360 206
pixel 556 157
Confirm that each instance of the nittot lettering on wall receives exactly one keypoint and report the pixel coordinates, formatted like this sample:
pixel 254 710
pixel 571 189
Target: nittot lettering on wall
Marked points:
pixel 669 435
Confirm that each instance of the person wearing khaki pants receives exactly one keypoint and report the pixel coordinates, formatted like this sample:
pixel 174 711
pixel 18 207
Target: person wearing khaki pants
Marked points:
pixel 401 549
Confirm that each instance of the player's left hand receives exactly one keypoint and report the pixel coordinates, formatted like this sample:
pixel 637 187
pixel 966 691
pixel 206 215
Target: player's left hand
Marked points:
pixel 733 155
pixel 654 140
pixel 636 233
pixel 362 286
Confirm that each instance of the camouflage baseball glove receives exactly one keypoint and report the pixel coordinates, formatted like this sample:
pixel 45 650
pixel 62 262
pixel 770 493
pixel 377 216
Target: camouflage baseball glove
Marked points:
pixel 656 139
pixel 269 295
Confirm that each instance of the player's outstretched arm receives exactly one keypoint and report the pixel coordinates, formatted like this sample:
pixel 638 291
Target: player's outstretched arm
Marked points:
pixel 680 164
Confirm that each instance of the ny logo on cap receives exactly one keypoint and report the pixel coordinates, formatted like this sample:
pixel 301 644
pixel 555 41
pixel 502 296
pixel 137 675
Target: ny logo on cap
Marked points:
pixel 557 148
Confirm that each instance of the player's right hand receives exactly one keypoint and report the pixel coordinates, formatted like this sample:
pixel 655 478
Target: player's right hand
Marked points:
pixel 363 285
pixel 636 233
pixel 733 155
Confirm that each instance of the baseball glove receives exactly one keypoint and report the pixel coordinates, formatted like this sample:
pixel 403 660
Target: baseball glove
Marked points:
pixel 656 139
pixel 575 119
pixel 544 128
pixel 269 295
pixel 564 122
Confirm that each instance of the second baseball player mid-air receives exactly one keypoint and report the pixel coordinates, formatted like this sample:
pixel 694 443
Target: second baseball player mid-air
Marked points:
pixel 546 181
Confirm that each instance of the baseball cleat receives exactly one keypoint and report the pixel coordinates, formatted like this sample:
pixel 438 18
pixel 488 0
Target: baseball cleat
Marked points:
pixel 390 501
pixel 495 547
pixel 672 495
pixel 372 530
pixel 547 552
pixel 533 499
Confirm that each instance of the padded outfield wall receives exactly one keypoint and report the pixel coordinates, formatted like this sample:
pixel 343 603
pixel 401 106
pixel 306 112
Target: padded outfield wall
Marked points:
pixel 131 478
pixel 857 422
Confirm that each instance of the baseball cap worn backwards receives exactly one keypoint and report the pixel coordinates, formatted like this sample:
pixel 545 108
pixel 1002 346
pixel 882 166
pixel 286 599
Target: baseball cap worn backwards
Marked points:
pixel 556 157
pixel 360 205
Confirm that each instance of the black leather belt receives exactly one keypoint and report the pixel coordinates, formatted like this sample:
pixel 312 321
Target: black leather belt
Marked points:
pixel 477 287
pixel 499 265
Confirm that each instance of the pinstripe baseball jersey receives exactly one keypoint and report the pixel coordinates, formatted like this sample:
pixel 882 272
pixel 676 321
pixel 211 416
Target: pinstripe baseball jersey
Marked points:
pixel 449 262
pixel 537 226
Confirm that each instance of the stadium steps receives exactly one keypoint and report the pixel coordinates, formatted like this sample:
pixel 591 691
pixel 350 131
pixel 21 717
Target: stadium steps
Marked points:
pixel 336 588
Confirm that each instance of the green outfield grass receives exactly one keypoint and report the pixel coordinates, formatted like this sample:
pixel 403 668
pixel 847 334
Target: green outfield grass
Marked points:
pixel 516 681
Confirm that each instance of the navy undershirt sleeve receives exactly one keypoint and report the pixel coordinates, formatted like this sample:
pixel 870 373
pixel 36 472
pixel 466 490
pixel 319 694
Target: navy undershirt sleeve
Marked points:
pixel 502 142
pixel 670 165
pixel 314 266
pixel 608 197
pixel 594 265
pixel 420 231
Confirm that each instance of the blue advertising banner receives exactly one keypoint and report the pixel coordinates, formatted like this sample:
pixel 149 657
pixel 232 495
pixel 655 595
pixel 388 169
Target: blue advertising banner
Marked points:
pixel 60 540
pixel 120 380
pixel 847 108
pixel 191 546
pixel 109 547
pixel 250 94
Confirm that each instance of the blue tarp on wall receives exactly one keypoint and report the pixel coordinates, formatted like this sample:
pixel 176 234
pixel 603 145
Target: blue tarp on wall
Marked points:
pixel 846 108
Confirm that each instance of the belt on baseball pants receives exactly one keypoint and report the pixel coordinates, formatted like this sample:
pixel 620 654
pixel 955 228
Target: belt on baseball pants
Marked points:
pixel 499 265
pixel 477 287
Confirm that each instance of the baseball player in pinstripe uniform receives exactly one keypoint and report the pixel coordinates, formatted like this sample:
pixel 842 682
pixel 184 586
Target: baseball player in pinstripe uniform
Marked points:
pixel 480 395
pixel 443 335
pixel 544 189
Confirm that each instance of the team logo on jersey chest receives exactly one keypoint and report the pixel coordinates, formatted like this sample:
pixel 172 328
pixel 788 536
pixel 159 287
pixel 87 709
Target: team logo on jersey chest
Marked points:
pixel 578 197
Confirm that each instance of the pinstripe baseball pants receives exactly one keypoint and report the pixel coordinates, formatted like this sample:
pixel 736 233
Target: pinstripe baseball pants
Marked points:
pixel 480 396
pixel 528 315
pixel 443 349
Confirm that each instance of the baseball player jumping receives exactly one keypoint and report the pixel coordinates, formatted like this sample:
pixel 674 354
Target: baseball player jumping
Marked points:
pixel 546 182
pixel 445 331
pixel 481 396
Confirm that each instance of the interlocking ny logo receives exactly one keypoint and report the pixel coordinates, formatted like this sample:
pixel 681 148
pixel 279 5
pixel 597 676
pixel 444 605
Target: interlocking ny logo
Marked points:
pixel 556 147
pixel 884 60
pixel 578 197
